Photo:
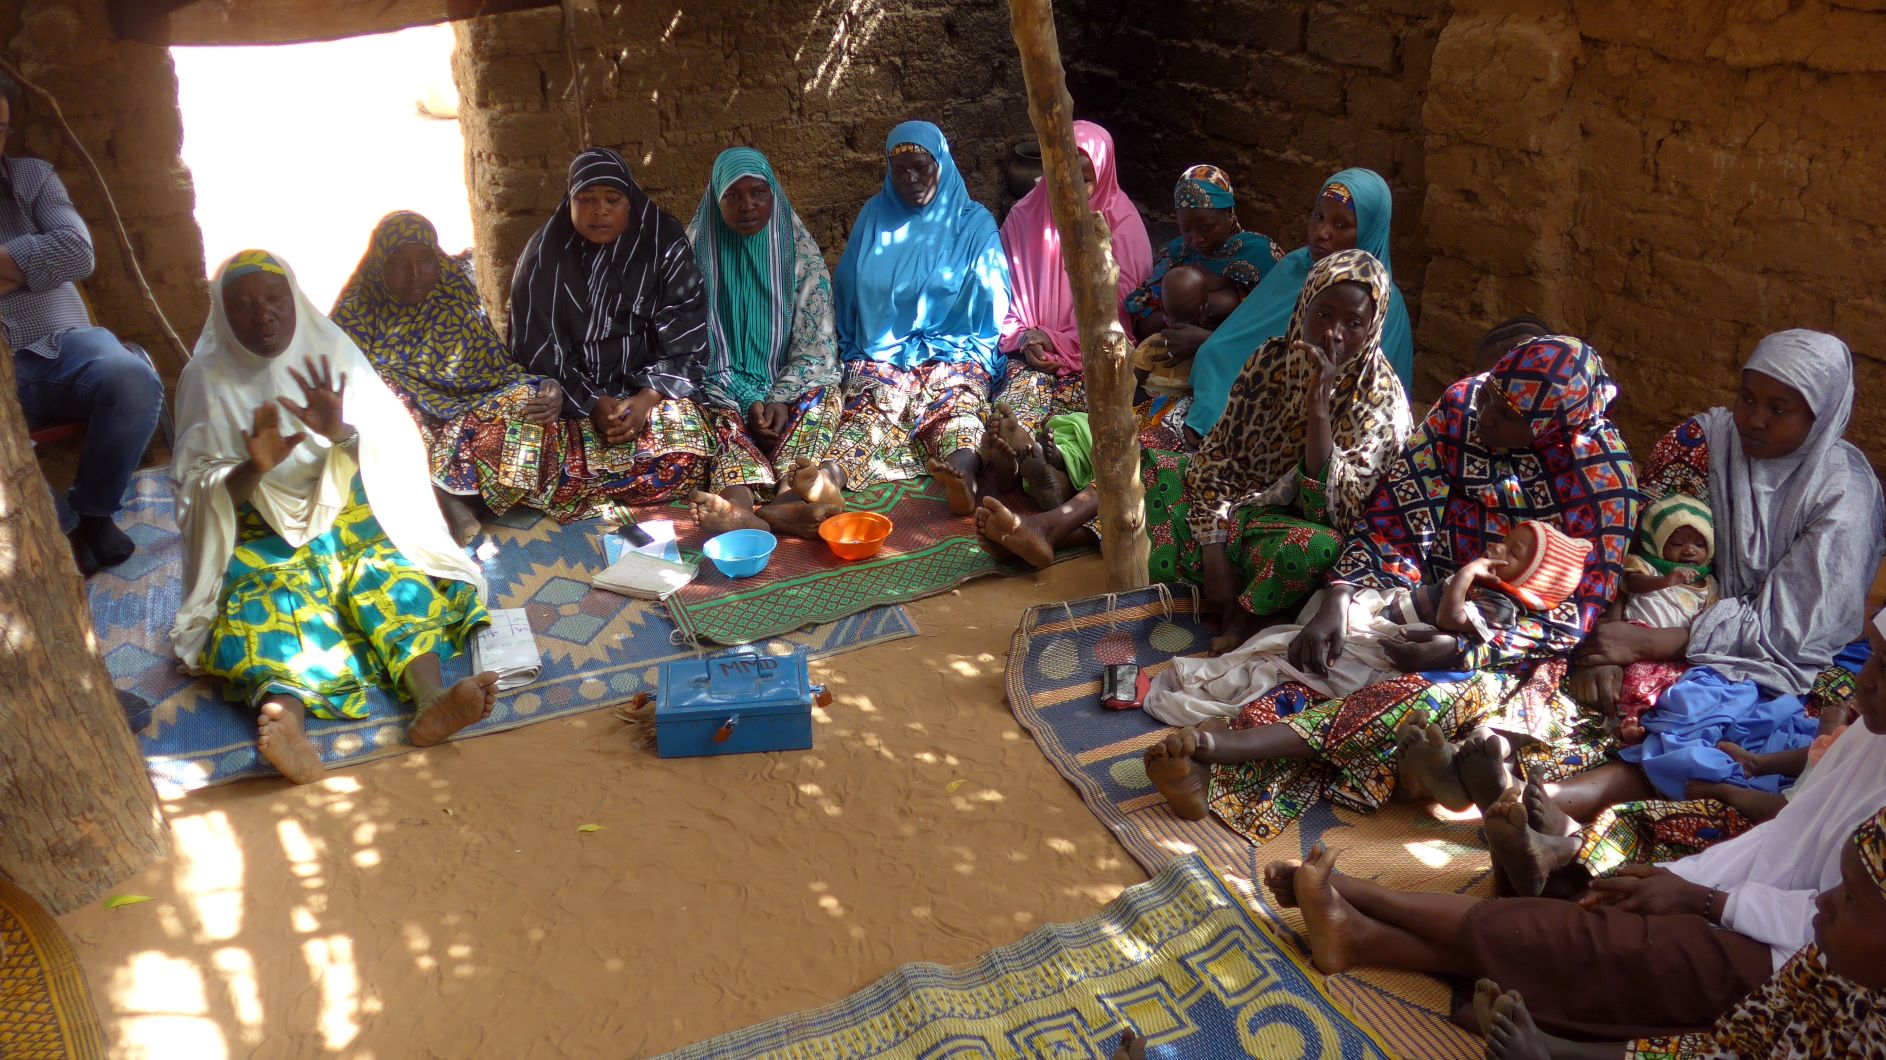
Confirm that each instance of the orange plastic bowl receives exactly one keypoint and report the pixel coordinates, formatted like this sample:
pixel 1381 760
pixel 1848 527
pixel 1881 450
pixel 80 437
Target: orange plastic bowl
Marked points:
pixel 855 535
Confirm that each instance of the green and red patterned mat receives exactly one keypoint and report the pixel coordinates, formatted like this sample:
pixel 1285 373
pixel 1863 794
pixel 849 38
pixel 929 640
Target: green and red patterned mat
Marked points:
pixel 929 551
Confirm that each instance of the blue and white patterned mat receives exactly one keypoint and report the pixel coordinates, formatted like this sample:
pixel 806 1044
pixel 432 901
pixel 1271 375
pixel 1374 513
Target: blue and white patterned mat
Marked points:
pixel 599 648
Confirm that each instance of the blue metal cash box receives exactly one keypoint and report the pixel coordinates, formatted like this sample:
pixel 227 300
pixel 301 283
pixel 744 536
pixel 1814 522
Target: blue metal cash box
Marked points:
pixel 734 702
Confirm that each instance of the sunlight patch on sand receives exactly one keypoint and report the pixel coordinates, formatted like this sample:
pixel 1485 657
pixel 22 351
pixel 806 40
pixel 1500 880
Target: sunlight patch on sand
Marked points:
pixel 237 970
pixel 331 964
pixel 165 1010
pixel 209 870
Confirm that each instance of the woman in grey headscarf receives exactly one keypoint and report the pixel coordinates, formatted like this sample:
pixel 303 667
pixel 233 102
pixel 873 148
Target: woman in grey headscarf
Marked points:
pixel 1798 518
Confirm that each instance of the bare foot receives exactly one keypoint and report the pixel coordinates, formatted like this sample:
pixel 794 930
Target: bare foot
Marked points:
pixel 459 518
pixel 1013 436
pixel 448 710
pixel 1512 1034
pixel 1174 768
pixel 280 737
pixel 1239 626
pixel 1326 916
pixel 1048 489
pixel 718 515
pixel 1049 450
pixel 1132 1046
pixel 1526 857
pixel 1280 879
pixel 1427 759
pixel 800 520
pixel 1485 993
pixel 999 460
pixel 1543 814
pixel 1409 787
pixel 962 498
pixel 1013 534
pixel 1481 763
pixel 1750 762
pixel 1631 732
pixel 814 484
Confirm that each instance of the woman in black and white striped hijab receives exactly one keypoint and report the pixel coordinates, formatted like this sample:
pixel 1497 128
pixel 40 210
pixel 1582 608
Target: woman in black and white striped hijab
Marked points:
pixel 608 301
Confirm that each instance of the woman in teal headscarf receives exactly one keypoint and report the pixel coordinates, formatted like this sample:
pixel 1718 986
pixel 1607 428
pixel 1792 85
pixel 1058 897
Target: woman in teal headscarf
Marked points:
pixel 1352 209
pixel 770 389
pixel 921 294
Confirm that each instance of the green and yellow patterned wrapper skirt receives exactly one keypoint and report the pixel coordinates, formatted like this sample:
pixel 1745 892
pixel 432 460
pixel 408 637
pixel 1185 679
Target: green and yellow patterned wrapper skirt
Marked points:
pixel 328 621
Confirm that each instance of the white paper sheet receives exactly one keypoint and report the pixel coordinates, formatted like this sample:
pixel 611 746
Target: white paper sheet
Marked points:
pixel 509 648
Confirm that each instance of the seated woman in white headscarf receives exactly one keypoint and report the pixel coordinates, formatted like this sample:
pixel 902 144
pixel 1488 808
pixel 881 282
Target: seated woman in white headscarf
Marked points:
pixel 316 563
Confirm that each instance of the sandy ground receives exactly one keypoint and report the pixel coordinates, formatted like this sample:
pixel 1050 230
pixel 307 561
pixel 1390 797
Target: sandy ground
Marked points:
pixel 444 904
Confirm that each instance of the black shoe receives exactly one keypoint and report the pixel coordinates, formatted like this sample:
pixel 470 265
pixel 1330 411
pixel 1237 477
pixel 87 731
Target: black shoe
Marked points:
pixel 110 545
pixel 82 554
pixel 137 712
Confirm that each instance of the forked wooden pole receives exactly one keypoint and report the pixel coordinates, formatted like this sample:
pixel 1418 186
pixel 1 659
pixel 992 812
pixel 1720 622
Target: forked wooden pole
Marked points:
pixel 1087 250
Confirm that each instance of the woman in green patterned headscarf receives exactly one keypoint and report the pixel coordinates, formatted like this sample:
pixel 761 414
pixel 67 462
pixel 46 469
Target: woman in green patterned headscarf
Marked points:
pixel 770 386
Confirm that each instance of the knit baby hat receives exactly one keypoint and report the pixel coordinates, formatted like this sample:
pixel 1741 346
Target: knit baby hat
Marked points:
pixel 1558 564
pixel 1665 517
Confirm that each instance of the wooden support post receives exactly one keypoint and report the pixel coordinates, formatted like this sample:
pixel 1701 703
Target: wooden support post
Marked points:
pixel 1087 250
pixel 77 812
pixel 570 9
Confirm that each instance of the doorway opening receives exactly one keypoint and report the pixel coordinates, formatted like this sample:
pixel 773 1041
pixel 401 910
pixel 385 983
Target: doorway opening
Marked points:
pixel 300 148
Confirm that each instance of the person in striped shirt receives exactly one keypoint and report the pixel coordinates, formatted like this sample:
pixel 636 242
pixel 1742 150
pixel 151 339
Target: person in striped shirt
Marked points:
pixel 66 368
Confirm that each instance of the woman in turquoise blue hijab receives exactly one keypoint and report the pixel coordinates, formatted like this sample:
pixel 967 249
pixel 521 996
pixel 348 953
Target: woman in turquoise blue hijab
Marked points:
pixel 1352 209
pixel 921 294
pixel 771 386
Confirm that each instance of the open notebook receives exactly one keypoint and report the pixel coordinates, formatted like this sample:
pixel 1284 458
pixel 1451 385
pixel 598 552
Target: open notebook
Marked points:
pixel 639 574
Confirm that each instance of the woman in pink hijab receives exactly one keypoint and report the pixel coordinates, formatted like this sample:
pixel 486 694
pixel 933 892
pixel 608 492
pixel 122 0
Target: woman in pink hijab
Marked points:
pixel 1040 334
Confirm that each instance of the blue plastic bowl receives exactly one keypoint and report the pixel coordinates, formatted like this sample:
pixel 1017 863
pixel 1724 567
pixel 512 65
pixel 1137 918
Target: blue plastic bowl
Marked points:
pixel 741 553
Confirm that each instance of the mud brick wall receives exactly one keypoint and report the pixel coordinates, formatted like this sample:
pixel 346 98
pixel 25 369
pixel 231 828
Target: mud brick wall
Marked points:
pixel 1671 180
pixel 815 84
pixel 1278 93
pixel 121 100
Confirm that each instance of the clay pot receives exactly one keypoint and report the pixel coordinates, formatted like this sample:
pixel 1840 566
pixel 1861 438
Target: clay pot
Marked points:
pixel 1024 168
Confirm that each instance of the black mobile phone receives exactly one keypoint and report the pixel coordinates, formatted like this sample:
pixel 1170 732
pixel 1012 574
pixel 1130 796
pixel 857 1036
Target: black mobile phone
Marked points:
pixel 1122 686
pixel 636 536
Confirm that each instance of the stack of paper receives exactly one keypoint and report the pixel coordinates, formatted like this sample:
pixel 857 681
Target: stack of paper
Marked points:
pixel 508 648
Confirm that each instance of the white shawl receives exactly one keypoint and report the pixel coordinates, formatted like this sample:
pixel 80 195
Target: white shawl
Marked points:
pixel 217 397
pixel 1773 872
pixel 1797 536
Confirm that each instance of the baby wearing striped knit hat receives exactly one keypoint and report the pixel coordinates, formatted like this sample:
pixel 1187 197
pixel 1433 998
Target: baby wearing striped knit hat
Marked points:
pixel 1533 571
pixel 1666 584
